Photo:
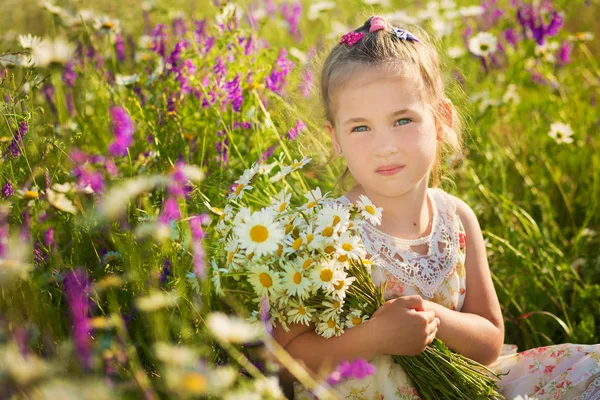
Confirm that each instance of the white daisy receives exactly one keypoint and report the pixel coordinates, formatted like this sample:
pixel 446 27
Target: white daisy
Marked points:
pixel 50 51
pixel 341 286
pixel 235 260
pixel 333 216
pixel 456 51
pixel 329 327
pixel 296 165
pixel 281 202
pixel 355 318
pixel 264 280
pixel 560 132
pixel 249 174
pixel 313 198
pixel 349 246
pixel 107 23
pixel 483 44
pixel 259 233
pixel 298 313
pixel 369 211
pixel 29 41
pixel 315 9
pixel 295 282
pixel 325 275
pixel 233 329
pixel 156 300
pixel 60 201
pixel 471 11
pixel 511 95
pixel 333 310
pixel 239 190
pixel 304 262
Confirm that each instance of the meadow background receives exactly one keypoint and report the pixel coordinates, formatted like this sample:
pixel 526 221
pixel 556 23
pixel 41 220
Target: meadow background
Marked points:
pixel 111 153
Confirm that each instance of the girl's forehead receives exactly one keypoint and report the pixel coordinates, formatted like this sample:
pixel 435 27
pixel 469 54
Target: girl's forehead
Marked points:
pixel 376 92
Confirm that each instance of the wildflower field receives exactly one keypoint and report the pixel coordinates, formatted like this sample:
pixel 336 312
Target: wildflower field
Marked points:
pixel 126 127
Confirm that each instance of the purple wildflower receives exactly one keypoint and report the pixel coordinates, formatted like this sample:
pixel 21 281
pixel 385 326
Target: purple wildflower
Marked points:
pixel 188 69
pixel 7 190
pixel 209 43
pixel 76 288
pixel 14 148
pixel 358 369
pixel 511 38
pixel 166 271
pixel 555 24
pixel 179 27
pixel 234 93
pixel 120 48
pixel 199 31
pixel 123 129
pixel 565 53
pixel 175 56
pixel 292 13
pixel 159 36
pixel 269 152
pixel 222 151
pixel 170 211
pixel 48 91
pixel 276 80
pixel 92 178
pixel 111 168
pixel 69 74
pixel 198 246
pixel 49 238
pixel 219 69
pixel 295 131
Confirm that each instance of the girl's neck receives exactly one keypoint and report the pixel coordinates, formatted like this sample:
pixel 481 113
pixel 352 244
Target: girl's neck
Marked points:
pixel 408 216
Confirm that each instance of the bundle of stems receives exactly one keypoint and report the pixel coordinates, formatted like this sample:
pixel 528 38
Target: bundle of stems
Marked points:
pixel 438 372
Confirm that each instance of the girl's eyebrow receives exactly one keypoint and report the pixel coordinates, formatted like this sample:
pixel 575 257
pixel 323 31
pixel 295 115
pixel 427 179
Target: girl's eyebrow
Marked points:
pixel 394 114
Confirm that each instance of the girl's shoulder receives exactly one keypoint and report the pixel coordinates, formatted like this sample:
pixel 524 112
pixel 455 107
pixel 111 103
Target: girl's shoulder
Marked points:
pixel 457 206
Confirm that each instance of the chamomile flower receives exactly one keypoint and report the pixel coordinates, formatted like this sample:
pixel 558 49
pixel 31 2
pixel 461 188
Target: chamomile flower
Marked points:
pixel 355 318
pixel 349 247
pixel 264 280
pixel 296 165
pixel 313 199
pixel 60 201
pixel 235 259
pixel 312 240
pixel 298 313
pixel 368 210
pixel 325 275
pixel 29 41
pixel 52 51
pixel 110 256
pixel 294 282
pixel 329 327
pixel 483 44
pixel 259 233
pixel 333 218
pixel 560 132
pixel 334 308
pixel 341 287
pixel 216 277
pixel 232 329
pixel 281 202
pixel 238 191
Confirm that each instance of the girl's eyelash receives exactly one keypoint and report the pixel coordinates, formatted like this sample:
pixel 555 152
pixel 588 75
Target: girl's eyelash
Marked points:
pixel 361 126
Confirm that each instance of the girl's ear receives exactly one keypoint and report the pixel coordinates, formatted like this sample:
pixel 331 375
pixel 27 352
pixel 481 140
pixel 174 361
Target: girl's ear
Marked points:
pixel 334 140
pixel 447 117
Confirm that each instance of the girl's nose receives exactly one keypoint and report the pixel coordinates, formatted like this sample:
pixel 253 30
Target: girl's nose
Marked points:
pixel 385 149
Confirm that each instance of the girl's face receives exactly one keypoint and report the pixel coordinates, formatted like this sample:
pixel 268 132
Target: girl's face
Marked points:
pixel 387 135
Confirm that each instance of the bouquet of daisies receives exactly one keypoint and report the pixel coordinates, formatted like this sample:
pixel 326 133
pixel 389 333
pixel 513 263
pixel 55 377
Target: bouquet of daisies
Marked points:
pixel 304 263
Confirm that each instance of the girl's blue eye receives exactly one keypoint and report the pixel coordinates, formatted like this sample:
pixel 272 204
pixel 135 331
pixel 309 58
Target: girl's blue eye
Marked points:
pixel 358 128
pixel 403 121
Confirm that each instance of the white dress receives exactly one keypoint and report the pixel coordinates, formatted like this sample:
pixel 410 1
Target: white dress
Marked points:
pixel 434 268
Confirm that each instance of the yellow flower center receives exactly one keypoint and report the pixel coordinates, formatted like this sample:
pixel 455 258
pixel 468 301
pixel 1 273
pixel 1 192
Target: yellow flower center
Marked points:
pixel 356 321
pixel 265 279
pixel 339 284
pixel 230 257
pixel 296 165
pixel 309 238
pixel 297 243
pixel 279 250
pixel 326 275
pixel 327 232
pixel 336 220
pixel 238 189
pixel 250 256
pixel 311 204
pixel 307 263
pixel 31 194
pixel 259 233
pixel 297 278
pixel 347 247
pixel 288 228
pixel 301 310
pixel 329 249
pixel 336 304
pixel 343 258
pixel 193 382
pixel 331 323
pixel 370 210
pixel 282 206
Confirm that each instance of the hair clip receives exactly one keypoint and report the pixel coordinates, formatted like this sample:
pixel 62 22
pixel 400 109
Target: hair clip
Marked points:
pixel 377 23
pixel 351 38
pixel 403 35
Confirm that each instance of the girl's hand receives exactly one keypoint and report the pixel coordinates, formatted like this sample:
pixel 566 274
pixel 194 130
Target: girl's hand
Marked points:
pixel 403 326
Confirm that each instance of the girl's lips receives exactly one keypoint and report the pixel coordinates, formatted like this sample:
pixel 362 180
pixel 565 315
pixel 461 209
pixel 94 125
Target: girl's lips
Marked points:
pixel 391 170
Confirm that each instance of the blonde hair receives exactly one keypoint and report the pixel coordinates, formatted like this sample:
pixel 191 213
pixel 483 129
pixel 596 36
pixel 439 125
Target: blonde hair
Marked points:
pixel 381 49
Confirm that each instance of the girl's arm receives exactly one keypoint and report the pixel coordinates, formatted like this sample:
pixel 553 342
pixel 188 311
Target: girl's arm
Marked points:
pixel 477 331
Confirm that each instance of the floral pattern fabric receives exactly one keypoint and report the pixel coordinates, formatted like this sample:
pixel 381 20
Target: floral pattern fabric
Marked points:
pixel 564 371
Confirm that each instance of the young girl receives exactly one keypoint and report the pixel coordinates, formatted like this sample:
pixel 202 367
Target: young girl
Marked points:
pixel 388 116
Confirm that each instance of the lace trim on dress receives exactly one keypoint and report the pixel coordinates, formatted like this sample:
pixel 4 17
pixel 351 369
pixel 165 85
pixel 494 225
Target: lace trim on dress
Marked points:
pixel 424 271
